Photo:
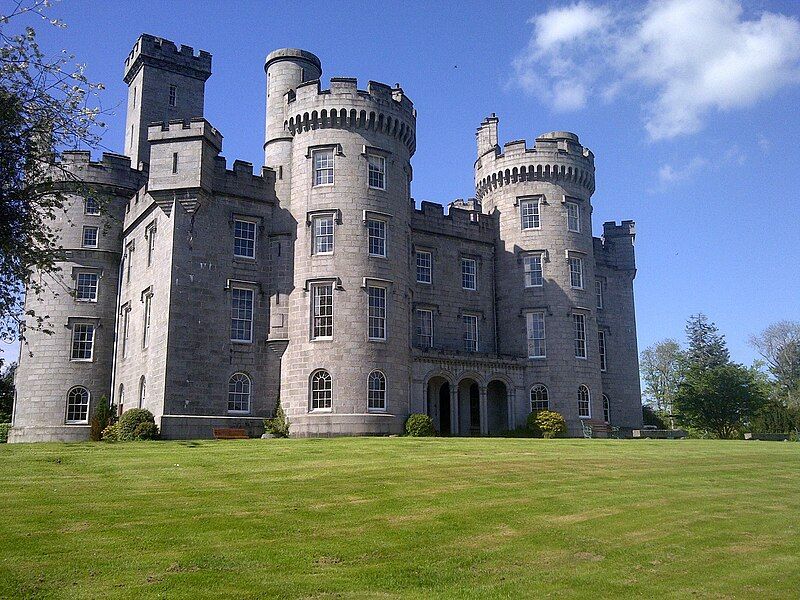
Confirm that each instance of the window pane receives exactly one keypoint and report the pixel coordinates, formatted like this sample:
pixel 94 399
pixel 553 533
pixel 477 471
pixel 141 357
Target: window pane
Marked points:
pixel 241 315
pixel 576 273
pixel 321 390
pixel 376 167
pixel 573 217
pixel 539 399
pixel 90 237
pixel 533 270
pixel 579 324
pixel 584 405
pixel 86 287
pixel 323 167
pixel 601 339
pixel 470 333
pixel 244 239
pixel 92 206
pixel 239 393
pixel 323 234
pixel 598 290
pixel 424 328
pixel 377 313
pixel 376 231
pixel 376 393
pixel 529 210
pixel 424 263
pixel 78 405
pixel 322 311
pixel 468 274
pixel 82 341
pixel 536 335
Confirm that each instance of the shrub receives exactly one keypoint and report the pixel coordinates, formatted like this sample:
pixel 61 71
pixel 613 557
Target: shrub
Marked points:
pixel 4 427
pixel 131 419
pixel 145 431
pixel 773 417
pixel 533 424
pixel 652 417
pixel 110 433
pixel 419 425
pixel 551 424
pixel 278 425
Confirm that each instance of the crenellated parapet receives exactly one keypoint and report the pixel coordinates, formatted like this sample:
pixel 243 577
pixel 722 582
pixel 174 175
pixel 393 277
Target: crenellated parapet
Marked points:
pixel 615 249
pixel 164 54
pixel 557 156
pixel 241 182
pixel 112 170
pixel 379 108
pixel 458 223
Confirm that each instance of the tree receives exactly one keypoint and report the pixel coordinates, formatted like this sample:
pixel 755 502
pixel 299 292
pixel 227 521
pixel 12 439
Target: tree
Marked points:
pixel 661 365
pixel 719 399
pixel 779 345
pixel 6 391
pixel 44 107
pixel 706 348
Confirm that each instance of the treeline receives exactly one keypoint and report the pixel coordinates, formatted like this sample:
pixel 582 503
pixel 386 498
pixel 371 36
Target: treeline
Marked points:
pixel 698 387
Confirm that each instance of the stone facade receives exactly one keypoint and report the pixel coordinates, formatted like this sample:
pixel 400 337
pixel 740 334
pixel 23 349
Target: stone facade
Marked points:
pixel 318 283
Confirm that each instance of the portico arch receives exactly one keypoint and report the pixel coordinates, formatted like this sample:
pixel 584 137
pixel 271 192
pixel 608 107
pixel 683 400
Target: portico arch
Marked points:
pixel 497 407
pixel 438 404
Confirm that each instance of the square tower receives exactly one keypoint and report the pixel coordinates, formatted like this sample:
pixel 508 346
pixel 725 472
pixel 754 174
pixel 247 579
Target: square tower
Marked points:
pixel 165 83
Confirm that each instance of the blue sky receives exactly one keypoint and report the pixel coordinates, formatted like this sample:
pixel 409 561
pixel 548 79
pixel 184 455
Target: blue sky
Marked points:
pixel 690 107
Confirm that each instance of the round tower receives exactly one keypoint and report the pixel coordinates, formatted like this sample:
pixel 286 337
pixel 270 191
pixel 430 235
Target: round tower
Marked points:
pixel 286 68
pixel 63 376
pixel 541 198
pixel 347 366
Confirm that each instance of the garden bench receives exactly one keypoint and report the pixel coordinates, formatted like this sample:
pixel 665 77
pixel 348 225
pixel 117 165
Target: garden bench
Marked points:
pixel 229 433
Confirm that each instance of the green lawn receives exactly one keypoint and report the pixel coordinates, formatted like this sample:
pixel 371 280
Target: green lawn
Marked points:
pixel 400 518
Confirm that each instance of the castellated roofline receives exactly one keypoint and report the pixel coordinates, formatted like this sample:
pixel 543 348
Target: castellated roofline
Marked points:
pixel 164 54
pixel 378 108
pixel 473 225
pixel 112 169
pixel 556 155
pixel 194 128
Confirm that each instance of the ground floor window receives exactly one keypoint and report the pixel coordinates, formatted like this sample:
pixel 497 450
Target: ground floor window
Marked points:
pixel 239 393
pixel 539 399
pixel 584 404
pixel 77 406
pixel 321 390
pixel 376 391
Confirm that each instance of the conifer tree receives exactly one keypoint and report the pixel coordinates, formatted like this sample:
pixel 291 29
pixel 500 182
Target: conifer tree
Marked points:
pixel 706 345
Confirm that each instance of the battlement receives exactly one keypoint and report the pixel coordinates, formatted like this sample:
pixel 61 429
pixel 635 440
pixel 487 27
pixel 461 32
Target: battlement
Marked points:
pixel 624 229
pixel 378 108
pixel 112 169
pixel 164 54
pixel 473 225
pixel 242 182
pixel 179 129
pixel 557 155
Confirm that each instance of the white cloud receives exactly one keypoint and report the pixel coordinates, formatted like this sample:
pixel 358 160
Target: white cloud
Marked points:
pixel 684 58
pixel 668 174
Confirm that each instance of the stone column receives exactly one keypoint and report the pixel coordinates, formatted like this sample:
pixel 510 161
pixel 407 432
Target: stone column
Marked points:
pixel 512 404
pixel 454 399
pixel 484 410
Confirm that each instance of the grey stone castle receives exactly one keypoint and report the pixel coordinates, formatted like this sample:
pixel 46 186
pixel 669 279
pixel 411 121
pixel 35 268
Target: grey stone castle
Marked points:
pixel 206 293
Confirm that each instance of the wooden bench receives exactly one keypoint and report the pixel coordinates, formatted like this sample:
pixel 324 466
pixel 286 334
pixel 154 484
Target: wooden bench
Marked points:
pixel 229 433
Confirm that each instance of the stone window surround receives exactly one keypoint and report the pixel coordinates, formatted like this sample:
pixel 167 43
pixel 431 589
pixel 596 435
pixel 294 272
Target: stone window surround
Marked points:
pixel 147 299
pixel 379 409
pixel 539 200
pixel 528 339
pixel 253 286
pixel 368 151
pixel 150 235
pixel 125 311
pixel 329 389
pixel 425 249
pixel 249 394
pixel 311 219
pixel 84 421
pixel 385 285
pixel 373 215
pixel 337 151
pixel 581 255
pixel 432 310
pixel 70 324
pixel 476 261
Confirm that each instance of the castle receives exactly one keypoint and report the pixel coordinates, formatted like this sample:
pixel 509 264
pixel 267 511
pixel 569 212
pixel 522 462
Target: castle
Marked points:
pixel 206 294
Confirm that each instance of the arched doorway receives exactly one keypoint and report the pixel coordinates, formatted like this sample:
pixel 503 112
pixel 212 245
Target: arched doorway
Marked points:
pixel 497 407
pixel 439 404
pixel 469 407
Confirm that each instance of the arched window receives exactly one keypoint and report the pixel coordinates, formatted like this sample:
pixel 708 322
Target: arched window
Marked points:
pixel 376 391
pixel 78 406
pixel 539 399
pixel 142 391
pixel 584 404
pixel 121 399
pixel 321 390
pixel 239 393
pixel 606 410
